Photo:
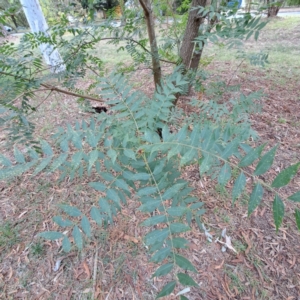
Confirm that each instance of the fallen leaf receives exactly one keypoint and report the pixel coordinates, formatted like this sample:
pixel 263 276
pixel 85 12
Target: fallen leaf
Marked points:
pixel 86 269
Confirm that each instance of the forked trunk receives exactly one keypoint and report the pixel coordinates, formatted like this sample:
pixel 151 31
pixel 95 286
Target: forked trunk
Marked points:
pixel 191 32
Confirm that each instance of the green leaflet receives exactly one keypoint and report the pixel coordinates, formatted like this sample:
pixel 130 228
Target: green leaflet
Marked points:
pixel 96 216
pixel 51 235
pixel 122 185
pixel 77 237
pixel 255 198
pixel 167 289
pixel 149 190
pixel 172 191
pixel 150 206
pixel 205 163
pixel 129 153
pixel 155 220
pixel 178 242
pixel 93 157
pixel 104 206
pixel 163 270
pixel 86 226
pixel 59 161
pixel 179 227
pixel 5 161
pixel 19 156
pixel 251 156
pixel 177 211
pixel 70 210
pixel 98 186
pixel 184 263
pixel 160 255
pixel 113 195
pixel 185 279
pixel 297 216
pixel 238 187
pixel 295 197
pixel 66 244
pixel 278 211
pixel 285 176
pixel 46 148
pixel 225 174
pixel 112 154
pixel 44 163
pixel 156 236
pixel 62 223
pixel 265 162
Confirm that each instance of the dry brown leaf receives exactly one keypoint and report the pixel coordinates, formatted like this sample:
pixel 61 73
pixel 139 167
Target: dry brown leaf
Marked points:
pixel 86 269
pixel 220 266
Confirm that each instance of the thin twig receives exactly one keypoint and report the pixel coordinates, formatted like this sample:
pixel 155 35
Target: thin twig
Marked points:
pixel 95 274
pixel 235 72
pixel 57 89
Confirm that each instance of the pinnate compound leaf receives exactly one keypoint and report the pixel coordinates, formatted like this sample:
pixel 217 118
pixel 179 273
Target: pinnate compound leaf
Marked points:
pixel 66 244
pixel 265 162
pixel 51 235
pixel 295 197
pixel 154 220
pixel 167 289
pixel 62 223
pixel 297 216
pixel 285 176
pixel 255 198
pixel 86 226
pixel 278 211
pixel 225 174
pixel 163 270
pixel 77 237
pixel 96 216
pixel 251 156
pixel 184 263
pixel 185 279
pixel 70 210
pixel 239 186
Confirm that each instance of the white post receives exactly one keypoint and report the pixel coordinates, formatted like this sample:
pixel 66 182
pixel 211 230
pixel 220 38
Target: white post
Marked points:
pixel 37 23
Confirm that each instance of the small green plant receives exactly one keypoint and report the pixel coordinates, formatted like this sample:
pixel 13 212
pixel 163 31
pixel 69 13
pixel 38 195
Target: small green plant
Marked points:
pixel 37 249
pixel 8 235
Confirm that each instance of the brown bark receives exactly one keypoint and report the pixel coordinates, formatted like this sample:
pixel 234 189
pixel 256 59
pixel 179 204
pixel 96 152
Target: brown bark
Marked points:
pixel 191 32
pixel 146 5
pixel 273 9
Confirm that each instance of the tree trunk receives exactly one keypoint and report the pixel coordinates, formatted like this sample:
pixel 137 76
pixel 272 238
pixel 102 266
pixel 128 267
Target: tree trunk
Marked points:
pixel 146 5
pixel 37 23
pixel 273 8
pixel 191 32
